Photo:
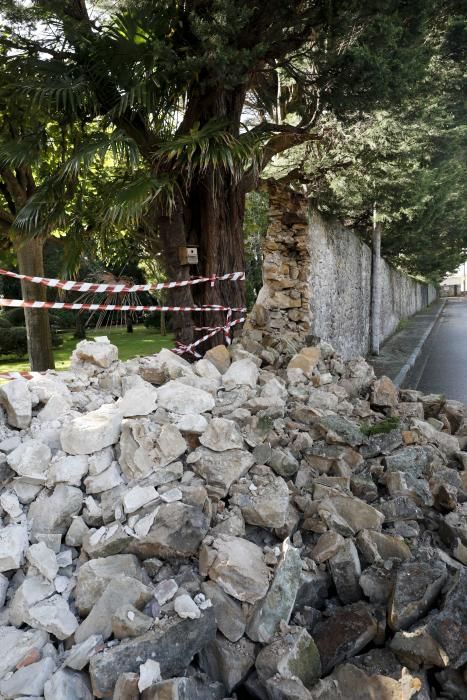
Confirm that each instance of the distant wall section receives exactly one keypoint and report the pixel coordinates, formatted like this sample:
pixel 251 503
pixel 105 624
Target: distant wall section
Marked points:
pixel 317 281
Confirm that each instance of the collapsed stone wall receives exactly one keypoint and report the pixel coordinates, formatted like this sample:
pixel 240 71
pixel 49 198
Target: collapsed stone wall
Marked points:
pixel 317 280
pixel 226 530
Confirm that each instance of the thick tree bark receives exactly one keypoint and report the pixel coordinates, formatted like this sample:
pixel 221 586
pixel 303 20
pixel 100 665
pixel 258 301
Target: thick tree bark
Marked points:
pixel 30 262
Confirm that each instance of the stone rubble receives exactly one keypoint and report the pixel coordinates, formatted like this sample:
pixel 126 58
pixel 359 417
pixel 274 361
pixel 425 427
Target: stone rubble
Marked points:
pixel 255 525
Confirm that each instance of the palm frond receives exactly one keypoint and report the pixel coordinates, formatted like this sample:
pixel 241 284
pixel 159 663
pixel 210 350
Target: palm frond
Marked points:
pixel 16 154
pixel 209 146
pixel 131 201
pixel 122 147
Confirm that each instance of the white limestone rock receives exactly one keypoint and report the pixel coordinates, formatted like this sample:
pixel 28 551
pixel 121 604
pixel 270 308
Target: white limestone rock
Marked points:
pixel 54 616
pixel 31 460
pixel 186 608
pixel 140 399
pixel 241 373
pixel 92 431
pixel 43 559
pixel 57 406
pixel 108 479
pixel 100 353
pixel 29 680
pixel 69 469
pixel 181 398
pixel 222 434
pixel 16 399
pixel 13 544
pixel 146 446
pixel 138 497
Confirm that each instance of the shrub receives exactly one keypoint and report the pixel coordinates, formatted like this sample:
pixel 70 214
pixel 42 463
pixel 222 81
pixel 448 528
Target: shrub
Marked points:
pixel 13 342
pixel 4 322
pixel 15 317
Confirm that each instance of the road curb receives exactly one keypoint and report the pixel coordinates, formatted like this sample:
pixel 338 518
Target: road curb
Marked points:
pixel 404 370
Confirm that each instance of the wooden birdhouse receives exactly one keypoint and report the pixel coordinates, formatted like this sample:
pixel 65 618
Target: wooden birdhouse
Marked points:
pixel 188 255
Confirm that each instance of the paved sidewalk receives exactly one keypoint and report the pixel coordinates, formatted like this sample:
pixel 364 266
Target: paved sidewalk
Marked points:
pixel 400 351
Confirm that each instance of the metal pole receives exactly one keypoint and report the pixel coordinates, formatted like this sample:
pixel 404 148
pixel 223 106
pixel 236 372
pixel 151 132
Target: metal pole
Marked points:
pixel 375 285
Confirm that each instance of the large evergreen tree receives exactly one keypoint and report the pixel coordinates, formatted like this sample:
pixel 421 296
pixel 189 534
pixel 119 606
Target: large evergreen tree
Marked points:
pixel 212 90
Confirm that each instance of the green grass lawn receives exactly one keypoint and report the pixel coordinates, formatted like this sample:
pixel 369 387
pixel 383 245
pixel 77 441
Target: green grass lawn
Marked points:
pixel 142 341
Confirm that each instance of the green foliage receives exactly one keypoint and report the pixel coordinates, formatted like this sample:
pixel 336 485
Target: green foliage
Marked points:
pixel 5 323
pixel 255 226
pixel 13 341
pixel 384 426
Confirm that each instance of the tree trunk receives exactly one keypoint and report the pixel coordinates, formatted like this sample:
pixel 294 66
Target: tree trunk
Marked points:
pixel 216 226
pixel 39 337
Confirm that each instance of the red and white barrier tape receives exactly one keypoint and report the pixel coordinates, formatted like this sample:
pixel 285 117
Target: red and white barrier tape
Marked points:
pixel 74 286
pixel 18 375
pixel 108 307
pixel 188 349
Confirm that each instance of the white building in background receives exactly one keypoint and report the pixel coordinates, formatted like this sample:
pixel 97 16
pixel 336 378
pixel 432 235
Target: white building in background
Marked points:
pixel 455 284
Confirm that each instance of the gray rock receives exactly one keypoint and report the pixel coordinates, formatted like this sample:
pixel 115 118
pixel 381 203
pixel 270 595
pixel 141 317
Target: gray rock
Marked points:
pixel 417 586
pixel 384 393
pixel 29 680
pixel 173 644
pixel 17 645
pixel 94 576
pixel 264 501
pixel 79 654
pixel 340 430
pixel 283 462
pixel 377 583
pixel 177 532
pixel 449 627
pixel 120 591
pixel 279 601
pixel 16 399
pixel 71 685
pixel 344 634
pixel 230 617
pixel 43 559
pixel 192 688
pixel 378 546
pixel 53 512
pixel 222 434
pixel 128 621
pixel 54 616
pixel 68 470
pixel 227 662
pixel 345 571
pixel 220 469
pixel 413 460
pixel 292 655
pixel 31 591
pixel 348 515
pixel 237 565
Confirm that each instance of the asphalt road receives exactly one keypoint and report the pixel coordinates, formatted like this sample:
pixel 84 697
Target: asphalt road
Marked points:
pixel 442 365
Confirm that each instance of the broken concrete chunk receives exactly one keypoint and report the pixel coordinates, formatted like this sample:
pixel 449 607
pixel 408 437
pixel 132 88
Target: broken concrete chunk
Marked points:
pixel 54 616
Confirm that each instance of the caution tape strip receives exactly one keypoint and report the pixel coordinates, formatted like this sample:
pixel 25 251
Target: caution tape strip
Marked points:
pixel 69 306
pixel 189 349
pixel 73 285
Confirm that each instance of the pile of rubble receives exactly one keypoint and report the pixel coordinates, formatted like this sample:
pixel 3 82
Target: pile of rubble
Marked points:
pixel 176 531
